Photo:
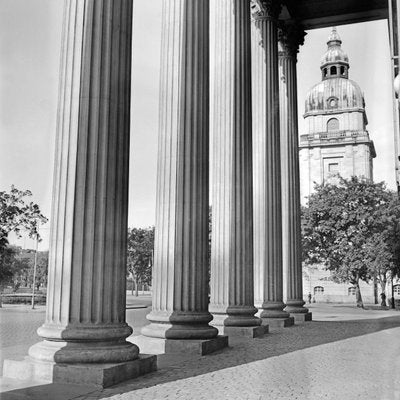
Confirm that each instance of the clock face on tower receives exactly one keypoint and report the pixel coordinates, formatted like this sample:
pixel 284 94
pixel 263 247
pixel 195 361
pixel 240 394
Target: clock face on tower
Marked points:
pixel 333 103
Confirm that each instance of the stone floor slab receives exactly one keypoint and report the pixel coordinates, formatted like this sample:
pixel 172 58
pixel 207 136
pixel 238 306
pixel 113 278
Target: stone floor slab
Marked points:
pixel 244 331
pixel 95 375
pixel 278 322
pixel 300 318
pixel 150 345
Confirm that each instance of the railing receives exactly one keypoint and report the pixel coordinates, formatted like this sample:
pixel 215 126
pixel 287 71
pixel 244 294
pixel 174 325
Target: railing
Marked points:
pixel 333 135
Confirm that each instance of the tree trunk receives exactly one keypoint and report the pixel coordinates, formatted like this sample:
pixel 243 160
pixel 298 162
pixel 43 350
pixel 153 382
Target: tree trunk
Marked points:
pixel 133 280
pixel 136 286
pixel 383 291
pixel 358 295
pixel 375 291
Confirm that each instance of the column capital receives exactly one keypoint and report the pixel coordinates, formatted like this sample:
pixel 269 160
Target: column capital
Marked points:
pixel 291 37
pixel 265 9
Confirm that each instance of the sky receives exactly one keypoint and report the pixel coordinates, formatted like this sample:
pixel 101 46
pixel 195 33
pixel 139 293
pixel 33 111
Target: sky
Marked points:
pixel 30 39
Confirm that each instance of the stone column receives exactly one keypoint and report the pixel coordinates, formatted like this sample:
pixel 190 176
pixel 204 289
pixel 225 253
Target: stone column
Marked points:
pixel 290 38
pixel 180 286
pixel 85 316
pixel 232 303
pixel 267 166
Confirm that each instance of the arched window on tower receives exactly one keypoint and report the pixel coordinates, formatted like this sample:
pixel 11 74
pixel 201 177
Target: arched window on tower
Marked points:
pixel 332 125
pixel 325 72
pixel 342 71
pixel 333 71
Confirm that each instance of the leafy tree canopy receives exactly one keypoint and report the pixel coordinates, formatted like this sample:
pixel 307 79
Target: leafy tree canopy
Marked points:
pixel 16 214
pixel 353 229
pixel 7 259
pixel 140 248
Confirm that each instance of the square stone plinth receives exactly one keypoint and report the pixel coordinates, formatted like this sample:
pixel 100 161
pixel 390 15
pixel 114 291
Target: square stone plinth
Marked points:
pixel 299 318
pixel 244 331
pixel 278 322
pixel 96 375
pixel 201 347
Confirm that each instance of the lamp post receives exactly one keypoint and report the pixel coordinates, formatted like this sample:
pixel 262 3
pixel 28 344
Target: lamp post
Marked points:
pixel 34 273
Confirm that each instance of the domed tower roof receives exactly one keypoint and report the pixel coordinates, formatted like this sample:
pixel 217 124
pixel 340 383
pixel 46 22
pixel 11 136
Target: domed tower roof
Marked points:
pixel 336 92
pixel 334 54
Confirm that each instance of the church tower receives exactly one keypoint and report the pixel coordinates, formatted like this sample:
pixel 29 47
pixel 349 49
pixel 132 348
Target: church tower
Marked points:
pixel 336 141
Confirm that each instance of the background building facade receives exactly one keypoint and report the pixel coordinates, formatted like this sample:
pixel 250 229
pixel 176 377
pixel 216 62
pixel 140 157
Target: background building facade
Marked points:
pixel 336 143
pixel 336 139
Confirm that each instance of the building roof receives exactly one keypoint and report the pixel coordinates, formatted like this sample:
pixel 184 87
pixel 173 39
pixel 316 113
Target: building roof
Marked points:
pixel 336 92
pixel 334 53
pixel 334 95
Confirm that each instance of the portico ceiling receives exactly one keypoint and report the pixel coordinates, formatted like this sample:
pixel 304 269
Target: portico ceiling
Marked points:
pixel 314 14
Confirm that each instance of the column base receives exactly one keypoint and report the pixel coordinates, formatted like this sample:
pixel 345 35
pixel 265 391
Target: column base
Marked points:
pixel 179 325
pixel 79 352
pixel 234 316
pixel 295 307
pixel 299 318
pixel 93 374
pixel 243 331
pixel 152 345
pixel 272 309
pixel 278 322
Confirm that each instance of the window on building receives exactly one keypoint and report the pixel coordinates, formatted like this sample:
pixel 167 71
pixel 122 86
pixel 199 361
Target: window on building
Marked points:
pixel 325 71
pixel 333 71
pixel 333 167
pixel 318 290
pixel 396 290
pixel 332 125
pixel 342 71
pixel 351 291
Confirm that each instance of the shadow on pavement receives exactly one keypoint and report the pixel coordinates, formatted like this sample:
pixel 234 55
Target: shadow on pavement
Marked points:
pixel 241 351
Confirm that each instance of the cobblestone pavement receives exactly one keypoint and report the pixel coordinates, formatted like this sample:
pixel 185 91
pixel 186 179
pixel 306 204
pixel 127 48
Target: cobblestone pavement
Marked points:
pixel 345 354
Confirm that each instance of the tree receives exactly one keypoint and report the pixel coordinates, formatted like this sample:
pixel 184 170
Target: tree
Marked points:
pixel 10 268
pixel 140 255
pixel 7 257
pixel 383 245
pixel 350 228
pixel 16 215
pixel 24 277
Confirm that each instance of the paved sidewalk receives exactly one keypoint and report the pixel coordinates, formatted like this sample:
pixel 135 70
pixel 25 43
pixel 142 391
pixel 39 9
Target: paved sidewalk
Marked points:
pixel 345 353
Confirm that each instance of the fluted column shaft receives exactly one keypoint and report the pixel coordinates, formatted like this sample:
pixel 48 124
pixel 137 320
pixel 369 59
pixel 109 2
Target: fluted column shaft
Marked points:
pixel 267 162
pixel 85 316
pixel 180 286
pixel 232 291
pixel 290 38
